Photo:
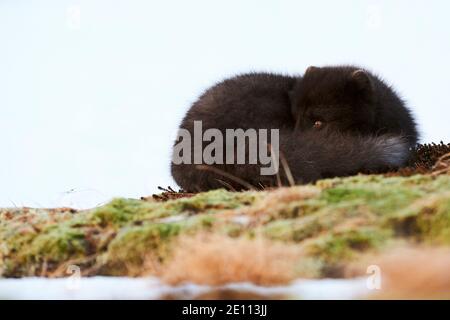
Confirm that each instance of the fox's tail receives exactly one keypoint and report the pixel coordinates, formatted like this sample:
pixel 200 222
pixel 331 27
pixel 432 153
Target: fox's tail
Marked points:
pixel 306 157
pixel 323 155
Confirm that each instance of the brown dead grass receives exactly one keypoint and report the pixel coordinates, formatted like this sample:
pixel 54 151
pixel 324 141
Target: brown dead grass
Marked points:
pixel 412 273
pixel 429 158
pixel 168 194
pixel 442 166
pixel 216 260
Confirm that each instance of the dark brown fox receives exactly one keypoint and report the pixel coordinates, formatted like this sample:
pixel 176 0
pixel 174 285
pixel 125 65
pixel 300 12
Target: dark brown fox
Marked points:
pixel 332 121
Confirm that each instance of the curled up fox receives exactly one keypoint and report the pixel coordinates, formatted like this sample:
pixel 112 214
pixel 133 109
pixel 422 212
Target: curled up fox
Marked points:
pixel 263 129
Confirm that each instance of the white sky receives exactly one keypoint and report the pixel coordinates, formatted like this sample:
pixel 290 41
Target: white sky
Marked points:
pixel 92 91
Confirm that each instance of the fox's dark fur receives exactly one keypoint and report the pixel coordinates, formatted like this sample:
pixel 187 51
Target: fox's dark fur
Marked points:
pixel 350 99
pixel 333 121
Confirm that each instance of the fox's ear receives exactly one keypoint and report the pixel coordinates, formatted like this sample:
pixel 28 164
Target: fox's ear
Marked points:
pixel 311 69
pixel 361 82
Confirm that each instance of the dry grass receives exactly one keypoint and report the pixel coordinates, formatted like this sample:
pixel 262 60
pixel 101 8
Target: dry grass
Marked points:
pixel 429 158
pixel 442 166
pixel 413 273
pixel 217 260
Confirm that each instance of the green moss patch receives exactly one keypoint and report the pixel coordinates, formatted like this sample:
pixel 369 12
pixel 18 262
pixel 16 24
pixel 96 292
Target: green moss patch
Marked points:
pixel 337 223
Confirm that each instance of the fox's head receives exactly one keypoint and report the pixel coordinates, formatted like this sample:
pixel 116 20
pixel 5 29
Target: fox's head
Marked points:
pixel 334 98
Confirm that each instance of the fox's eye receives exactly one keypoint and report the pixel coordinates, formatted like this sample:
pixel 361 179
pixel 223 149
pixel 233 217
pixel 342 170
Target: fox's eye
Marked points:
pixel 318 124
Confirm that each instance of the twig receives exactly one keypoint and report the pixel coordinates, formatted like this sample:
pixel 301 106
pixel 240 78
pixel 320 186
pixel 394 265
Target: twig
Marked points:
pixel 226 175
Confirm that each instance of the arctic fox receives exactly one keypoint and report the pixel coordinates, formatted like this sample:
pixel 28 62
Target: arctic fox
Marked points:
pixel 332 121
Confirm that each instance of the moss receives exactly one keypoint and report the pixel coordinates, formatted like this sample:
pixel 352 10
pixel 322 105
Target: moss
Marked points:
pixel 57 244
pixel 121 211
pixel 330 253
pixel 427 219
pixel 345 193
pixel 298 209
pixel 437 227
pixel 292 230
pixel 34 239
pixel 132 244
pixel 377 194
pixel 334 222
pixel 341 246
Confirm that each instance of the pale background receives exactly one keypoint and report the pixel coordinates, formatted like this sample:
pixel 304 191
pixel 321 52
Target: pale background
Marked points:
pixel 92 92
